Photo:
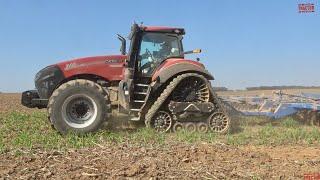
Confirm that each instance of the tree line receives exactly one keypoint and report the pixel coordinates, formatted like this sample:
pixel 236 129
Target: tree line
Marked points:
pixel 280 87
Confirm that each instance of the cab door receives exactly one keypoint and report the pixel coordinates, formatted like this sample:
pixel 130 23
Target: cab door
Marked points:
pixel 154 49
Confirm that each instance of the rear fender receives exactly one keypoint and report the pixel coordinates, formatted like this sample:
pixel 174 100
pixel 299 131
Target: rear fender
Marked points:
pixel 166 73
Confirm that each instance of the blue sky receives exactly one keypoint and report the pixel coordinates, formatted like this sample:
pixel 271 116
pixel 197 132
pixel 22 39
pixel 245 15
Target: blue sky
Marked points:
pixel 244 43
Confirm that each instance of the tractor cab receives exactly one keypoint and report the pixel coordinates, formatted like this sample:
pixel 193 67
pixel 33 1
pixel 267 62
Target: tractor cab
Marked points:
pixel 149 48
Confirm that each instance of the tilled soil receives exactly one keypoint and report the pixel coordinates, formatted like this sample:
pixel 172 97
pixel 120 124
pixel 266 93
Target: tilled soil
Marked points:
pixel 12 102
pixel 171 160
pixel 198 161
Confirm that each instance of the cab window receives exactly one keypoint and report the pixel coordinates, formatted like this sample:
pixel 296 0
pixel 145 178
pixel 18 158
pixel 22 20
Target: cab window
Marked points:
pixel 156 47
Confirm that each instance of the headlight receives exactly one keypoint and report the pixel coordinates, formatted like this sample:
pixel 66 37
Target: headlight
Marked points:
pixel 46 69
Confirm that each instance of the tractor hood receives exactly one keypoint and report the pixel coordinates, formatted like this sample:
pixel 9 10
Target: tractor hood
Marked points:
pixel 108 67
pixel 105 67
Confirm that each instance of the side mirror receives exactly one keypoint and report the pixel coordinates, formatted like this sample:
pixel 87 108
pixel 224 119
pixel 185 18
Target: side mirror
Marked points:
pixel 123 44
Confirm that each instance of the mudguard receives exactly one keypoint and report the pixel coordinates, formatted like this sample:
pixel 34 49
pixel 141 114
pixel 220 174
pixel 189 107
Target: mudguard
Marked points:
pixel 165 73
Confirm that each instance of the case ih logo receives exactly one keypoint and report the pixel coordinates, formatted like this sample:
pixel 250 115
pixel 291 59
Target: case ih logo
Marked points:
pixel 311 176
pixel 306 8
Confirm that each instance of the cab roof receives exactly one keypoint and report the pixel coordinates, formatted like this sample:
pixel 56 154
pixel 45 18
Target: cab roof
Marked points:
pixel 160 29
pixel 164 29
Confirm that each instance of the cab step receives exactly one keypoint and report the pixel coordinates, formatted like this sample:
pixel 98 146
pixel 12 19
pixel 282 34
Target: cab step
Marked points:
pixel 143 93
pixel 142 85
pixel 135 119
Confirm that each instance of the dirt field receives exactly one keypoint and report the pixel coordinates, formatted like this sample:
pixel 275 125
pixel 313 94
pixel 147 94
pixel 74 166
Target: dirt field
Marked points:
pixel 202 161
pixel 30 149
pixel 11 101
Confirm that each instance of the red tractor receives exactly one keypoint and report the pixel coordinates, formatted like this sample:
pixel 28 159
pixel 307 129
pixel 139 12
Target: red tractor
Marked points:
pixel 151 83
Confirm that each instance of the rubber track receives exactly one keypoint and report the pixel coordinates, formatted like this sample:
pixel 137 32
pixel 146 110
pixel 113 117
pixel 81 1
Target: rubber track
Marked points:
pixel 165 94
pixel 68 84
pixel 218 102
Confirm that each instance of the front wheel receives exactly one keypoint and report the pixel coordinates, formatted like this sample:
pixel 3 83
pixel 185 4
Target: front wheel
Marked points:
pixel 79 106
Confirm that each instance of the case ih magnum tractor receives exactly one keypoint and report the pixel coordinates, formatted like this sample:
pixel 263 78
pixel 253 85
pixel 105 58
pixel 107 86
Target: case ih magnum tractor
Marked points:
pixel 151 83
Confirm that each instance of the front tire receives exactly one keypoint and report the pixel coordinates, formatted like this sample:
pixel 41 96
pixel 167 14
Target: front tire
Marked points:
pixel 79 106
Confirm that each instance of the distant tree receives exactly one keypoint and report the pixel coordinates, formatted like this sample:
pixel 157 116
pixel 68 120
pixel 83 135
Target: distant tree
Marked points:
pixel 280 87
pixel 220 88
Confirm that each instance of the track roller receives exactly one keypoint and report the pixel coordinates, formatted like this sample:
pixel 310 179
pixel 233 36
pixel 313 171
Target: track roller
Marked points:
pixel 177 127
pixel 191 127
pixel 202 127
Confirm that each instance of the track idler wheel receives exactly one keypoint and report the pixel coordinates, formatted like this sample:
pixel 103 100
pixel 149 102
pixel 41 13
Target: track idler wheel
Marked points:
pixel 191 127
pixel 162 121
pixel 202 127
pixel 219 122
pixel 177 127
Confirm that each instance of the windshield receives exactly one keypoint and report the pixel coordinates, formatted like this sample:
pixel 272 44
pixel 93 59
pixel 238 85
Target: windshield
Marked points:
pixel 156 47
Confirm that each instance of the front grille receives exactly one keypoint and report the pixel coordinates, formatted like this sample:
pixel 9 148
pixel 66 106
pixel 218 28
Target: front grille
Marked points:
pixel 47 79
